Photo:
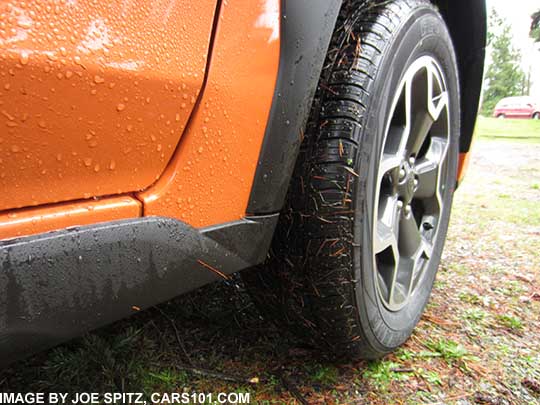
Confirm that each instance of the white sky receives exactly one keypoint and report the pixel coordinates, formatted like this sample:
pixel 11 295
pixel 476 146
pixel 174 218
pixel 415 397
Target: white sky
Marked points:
pixel 518 14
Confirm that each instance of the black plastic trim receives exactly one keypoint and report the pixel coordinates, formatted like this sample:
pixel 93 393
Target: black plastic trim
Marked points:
pixel 306 30
pixel 467 22
pixel 58 285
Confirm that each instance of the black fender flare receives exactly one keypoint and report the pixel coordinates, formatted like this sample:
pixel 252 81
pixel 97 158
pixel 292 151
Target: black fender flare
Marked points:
pixel 467 22
pixel 306 31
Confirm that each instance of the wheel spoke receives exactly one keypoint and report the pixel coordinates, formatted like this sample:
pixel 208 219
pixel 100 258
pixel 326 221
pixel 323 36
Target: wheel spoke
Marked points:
pixel 407 271
pixel 388 227
pixel 388 163
pixel 421 125
pixel 428 173
pixel 409 236
pixel 436 104
pixel 408 117
pixel 386 244
pixel 420 120
pixel 426 249
pixel 385 238
pixel 398 291
pixel 428 168
pixel 438 149
pixel 424 253
pixel 401 286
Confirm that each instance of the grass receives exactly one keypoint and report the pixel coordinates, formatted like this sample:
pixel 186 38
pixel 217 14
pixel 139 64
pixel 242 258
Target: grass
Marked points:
pixel 432 377
pixel 474 314
pixel 469 298
pixel 382 373
pixel 520 130
pixel 511 322
pixel 446 349
pixel 325 374
pixel 513 210
pixel 478 342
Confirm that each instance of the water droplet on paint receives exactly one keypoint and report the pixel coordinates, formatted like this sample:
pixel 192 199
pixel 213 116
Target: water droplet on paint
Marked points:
pixel 23 57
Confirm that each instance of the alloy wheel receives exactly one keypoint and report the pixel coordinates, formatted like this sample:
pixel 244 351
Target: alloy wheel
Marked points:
pixel 409 199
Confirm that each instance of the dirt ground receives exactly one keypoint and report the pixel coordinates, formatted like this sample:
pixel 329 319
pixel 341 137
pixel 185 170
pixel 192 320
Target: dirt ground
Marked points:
pixel 479 341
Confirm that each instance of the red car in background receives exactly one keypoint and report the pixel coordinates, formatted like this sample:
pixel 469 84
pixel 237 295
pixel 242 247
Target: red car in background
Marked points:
pixel 517 107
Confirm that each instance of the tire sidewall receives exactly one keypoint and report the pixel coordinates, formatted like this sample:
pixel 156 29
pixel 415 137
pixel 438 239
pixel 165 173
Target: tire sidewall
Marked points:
pixel 422 32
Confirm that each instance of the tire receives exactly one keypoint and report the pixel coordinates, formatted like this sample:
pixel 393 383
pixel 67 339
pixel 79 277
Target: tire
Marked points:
pixel 323 279
pixel 501 116
pixel 536 116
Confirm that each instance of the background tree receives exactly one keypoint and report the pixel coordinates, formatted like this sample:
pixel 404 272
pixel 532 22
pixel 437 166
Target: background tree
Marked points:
pixel 535 26
pixel 504 76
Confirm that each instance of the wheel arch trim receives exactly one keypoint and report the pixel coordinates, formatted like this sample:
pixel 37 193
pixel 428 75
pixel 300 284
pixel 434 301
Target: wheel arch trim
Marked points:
pixel 306 31
pixel 467 23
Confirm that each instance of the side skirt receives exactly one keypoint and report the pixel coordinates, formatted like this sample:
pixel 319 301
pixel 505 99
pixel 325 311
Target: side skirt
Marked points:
pixel 59 285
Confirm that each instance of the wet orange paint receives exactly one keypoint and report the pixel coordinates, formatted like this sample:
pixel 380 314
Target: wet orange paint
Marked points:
pixel 94 95
pixel 30 221
pixel 209 178
pixel 463 165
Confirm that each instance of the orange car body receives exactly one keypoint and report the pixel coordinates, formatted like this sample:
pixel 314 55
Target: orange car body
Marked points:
pixel 146 146
pixel 96 97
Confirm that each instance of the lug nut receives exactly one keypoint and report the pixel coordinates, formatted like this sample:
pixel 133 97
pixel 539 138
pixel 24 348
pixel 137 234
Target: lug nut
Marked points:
pixel 415 182
pixel 401 174
pixel 412 160
pixel 400 204
pixel 408 210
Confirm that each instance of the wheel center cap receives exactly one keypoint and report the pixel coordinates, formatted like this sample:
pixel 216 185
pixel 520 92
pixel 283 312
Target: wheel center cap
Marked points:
pixel 411 182
pixel 408 183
